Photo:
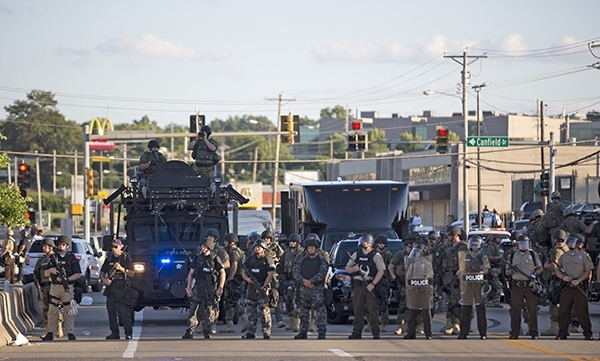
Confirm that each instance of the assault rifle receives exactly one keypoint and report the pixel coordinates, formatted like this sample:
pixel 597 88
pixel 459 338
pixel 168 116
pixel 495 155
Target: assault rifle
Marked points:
pixel 537 287
pixel 257 284
pixel 113 270
pixel 562 270
pixel 61 273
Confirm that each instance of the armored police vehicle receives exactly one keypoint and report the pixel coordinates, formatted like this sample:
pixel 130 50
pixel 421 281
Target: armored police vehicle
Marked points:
pixel 346 209
pixel 163 229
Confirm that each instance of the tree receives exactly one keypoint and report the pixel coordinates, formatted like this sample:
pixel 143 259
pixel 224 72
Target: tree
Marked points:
pixel 409 147
pixel 377 142
pixel 12 205
pixel 36 125
pixel 337 112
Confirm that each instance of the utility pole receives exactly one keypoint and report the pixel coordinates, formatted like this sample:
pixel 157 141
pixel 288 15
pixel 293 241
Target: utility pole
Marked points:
pixel 276 166
pixel 542 149
pixel 465 79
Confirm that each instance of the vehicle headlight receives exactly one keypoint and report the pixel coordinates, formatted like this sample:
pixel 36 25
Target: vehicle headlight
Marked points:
pixel 139 267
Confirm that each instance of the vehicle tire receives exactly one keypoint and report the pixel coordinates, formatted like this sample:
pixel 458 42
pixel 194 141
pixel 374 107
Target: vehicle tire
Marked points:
pixel 333 318
pixel 97 287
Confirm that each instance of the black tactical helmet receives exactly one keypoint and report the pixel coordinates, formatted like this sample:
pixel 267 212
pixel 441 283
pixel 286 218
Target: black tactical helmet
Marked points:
pixel 267 234
pixel 294 237
pixel 381 238
pixel 63 239
pixel 366 238
pixel 212 232
pixel 432 235
pixel 313 236
pixel 475 241
pixel 282 238
pixel 260 243
pixel 153 143
pixel 412 237
pixel 523 243
pixel 231 238
pixel 311 242
pixel 206 129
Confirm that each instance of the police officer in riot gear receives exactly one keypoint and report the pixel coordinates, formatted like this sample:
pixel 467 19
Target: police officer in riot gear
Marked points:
pixel 522 266
pixel 287 281
pixel 115 272
pixel 208 272
pixel 383 286
pixel 204 151
pixel 258 271
pixel 310 272
pixel 367 268
pixel 63 266
pixel 43 282
pixel 419 291
pixel 473 265
pixel 233 284
pixel 149 161
pixel 450 283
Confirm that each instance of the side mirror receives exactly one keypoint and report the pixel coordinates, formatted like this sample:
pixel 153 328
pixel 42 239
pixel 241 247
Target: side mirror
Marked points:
pixel 99 254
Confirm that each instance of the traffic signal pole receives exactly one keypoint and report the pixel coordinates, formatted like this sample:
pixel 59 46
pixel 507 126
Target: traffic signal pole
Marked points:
pixel 86 201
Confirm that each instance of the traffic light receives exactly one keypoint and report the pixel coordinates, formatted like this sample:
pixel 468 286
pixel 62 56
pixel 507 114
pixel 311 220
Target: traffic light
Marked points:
pixel 24 179
pixel 89 182
pixel 356 126
pixel 361 142
pixel 441 139
pixel 30 215
pixel 290 124
pixel 352 145
pixel 545 184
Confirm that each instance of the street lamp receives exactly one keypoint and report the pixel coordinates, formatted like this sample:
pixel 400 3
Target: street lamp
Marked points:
pixel 463 98
pixel 477 89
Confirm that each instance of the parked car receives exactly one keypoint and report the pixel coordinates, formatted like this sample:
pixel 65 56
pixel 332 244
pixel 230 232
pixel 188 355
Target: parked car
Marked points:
pixel 521 225
pixel 340 283
pixel 88 261
pixel 487 221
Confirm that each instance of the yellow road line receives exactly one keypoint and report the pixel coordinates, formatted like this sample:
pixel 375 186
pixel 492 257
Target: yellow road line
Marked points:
pixel 558 354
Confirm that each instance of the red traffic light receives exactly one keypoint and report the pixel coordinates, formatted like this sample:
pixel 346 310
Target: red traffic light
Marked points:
pixel 23 168
pixel 356 125
pixel 443 132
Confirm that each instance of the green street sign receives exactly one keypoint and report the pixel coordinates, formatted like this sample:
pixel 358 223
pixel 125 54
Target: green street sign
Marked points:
pixel 487 141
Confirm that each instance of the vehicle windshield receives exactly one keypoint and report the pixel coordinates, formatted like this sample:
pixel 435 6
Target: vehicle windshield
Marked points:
pixel 332 237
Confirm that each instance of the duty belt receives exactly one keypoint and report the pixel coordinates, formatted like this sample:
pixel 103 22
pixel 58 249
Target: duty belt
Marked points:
pixel 520 283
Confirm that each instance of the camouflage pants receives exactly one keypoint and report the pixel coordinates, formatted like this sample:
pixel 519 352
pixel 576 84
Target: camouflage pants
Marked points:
pixel 289 293
pixel 256 308
pixel 402 314
pixel 203 171
pixel 382 290
pixel 203 308
pixel 278 310
pixel 453 308
pixel 494 282
pixel 312 298
pixel 231 299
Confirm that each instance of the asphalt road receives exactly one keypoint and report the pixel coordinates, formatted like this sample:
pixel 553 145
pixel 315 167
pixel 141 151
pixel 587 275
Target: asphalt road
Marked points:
pixel 157 336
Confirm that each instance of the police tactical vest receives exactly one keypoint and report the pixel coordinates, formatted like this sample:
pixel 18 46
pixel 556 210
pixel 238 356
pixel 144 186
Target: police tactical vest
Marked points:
pixel 204 270
pixel 259 268
pixel 203 155
pixel 365 262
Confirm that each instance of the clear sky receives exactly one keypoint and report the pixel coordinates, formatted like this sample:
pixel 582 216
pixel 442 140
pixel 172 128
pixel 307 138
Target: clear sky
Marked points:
pixel 164 58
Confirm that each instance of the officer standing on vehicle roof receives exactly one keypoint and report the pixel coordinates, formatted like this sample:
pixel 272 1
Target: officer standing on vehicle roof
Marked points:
pixel 419 292
pixel 523 266
pixel 63 264
pixel 473 265
pixel 149 161
pixel 204 151
pixel 258 271
pixel 366 268
pixel 208 271
pixel 574 268
pixel 116 270
pixel 574 225
pixel 310 272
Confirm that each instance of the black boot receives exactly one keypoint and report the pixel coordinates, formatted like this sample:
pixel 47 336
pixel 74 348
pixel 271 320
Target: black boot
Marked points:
pixel 321 336
pixel 301 336
pixel 113 336
pixel 49 337
pixel 188 334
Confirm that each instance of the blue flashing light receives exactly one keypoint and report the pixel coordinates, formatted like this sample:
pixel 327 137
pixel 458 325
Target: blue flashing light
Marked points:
pixel 165 261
